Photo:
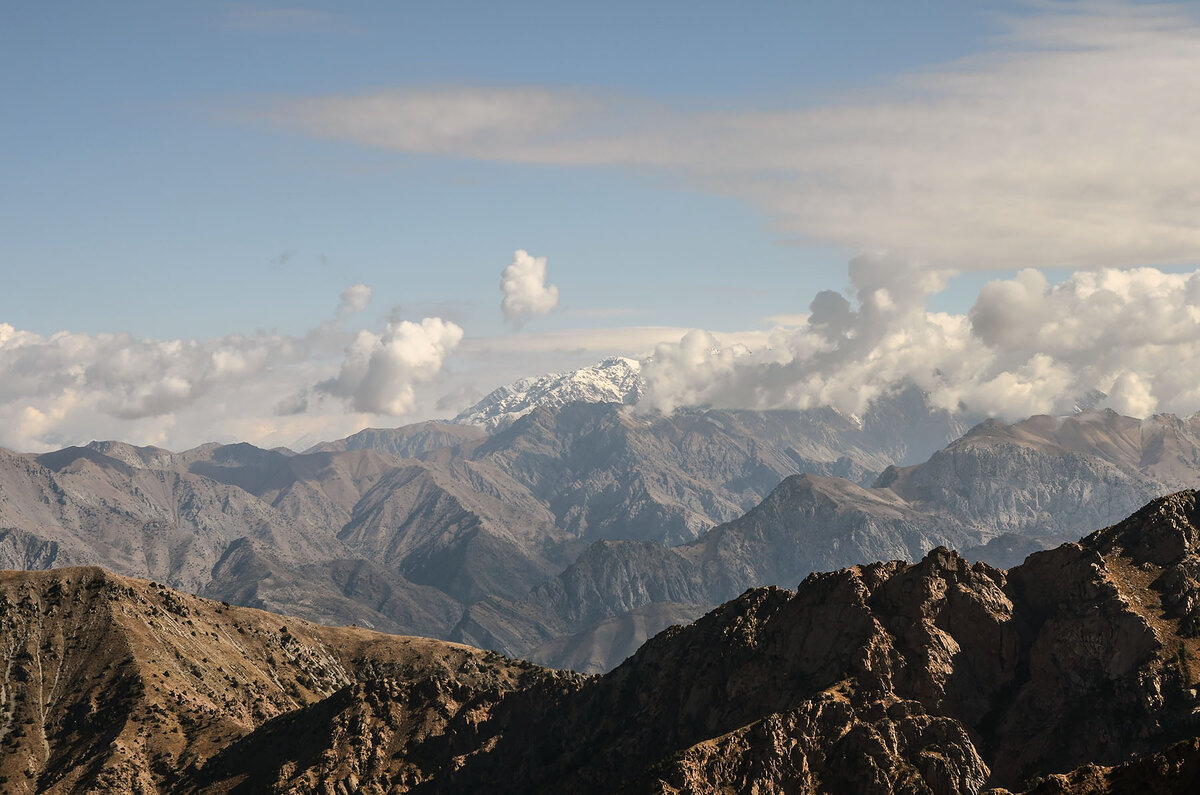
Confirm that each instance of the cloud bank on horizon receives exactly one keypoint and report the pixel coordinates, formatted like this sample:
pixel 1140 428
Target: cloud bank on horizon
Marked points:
pixel 1026 346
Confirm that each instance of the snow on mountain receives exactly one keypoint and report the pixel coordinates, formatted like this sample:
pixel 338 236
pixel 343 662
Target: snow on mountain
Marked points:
pixel 614 380
pixel 1091 399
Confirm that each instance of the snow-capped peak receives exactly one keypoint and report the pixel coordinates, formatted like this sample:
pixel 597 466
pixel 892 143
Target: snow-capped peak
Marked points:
pixel 614 380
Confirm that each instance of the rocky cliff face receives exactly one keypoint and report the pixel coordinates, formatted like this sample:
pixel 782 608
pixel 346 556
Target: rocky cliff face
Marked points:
pixel 348 537
pixel 807 523
pixel 1055 476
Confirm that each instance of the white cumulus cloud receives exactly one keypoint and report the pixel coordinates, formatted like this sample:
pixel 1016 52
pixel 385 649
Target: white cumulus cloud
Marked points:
pixel 69 387
pixel 1027 346
pixel 380 371
pixel 526 293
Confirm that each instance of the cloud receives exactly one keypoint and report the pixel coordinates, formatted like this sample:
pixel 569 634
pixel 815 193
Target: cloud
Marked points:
pixel 69 388
pixel 1071 142
pixel 593 343
pixel 526 293
pixel 1026 347
pixel 380 371
pixel 354 300
pixel 458 121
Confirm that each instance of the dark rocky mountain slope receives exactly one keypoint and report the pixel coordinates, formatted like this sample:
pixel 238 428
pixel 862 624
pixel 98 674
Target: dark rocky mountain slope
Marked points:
pixel 118 685
pixel 1077 671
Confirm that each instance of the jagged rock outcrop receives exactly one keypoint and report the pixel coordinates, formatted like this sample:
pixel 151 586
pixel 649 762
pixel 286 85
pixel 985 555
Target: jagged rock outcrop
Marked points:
pixel 935 677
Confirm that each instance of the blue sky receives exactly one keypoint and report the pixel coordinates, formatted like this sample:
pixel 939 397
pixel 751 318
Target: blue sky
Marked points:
pixel 136 201
pixel 188 188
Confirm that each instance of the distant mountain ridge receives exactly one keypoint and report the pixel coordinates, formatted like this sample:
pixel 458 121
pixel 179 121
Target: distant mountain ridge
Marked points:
pixel 583 523
pixel 998 493
pixel 348 532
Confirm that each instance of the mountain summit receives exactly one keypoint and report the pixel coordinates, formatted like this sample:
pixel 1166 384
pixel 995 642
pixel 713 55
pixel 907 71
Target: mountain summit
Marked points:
pixel 614 380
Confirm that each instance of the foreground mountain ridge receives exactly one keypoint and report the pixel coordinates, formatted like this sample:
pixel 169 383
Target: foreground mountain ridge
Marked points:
pixel 115 684
pixel 1077 671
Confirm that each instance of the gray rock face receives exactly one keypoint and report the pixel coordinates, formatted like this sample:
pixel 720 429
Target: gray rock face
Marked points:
pixel 408 441
pixel 607 472
pixel 350 537
pixel 1055 477
pixel 808 523
pixel 481 540
pixel 999 493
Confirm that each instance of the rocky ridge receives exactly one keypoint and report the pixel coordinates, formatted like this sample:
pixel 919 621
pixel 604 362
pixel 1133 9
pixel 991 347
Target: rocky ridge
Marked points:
pixel 935 677
pixel 120 685
pixel 1076 671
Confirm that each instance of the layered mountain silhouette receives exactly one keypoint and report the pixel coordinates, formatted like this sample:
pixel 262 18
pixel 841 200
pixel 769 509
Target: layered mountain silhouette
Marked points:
pixel 580 529
pixel 998 493
pixel 1076 671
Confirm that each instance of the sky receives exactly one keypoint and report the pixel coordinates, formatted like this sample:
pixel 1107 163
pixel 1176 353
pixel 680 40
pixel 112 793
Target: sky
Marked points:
pixel 283 223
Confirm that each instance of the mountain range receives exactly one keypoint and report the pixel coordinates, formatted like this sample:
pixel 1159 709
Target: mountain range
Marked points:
pixel 1074 672
pixel 569 532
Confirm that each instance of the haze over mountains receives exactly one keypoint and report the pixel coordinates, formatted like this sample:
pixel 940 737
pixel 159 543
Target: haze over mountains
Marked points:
pixel 578 528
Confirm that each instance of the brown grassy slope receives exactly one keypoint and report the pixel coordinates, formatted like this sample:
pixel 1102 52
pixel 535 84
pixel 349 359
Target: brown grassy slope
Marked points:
pixel 113 684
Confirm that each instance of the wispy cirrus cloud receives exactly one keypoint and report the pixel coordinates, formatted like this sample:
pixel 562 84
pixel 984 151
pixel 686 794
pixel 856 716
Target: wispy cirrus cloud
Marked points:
pixel 1071 143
